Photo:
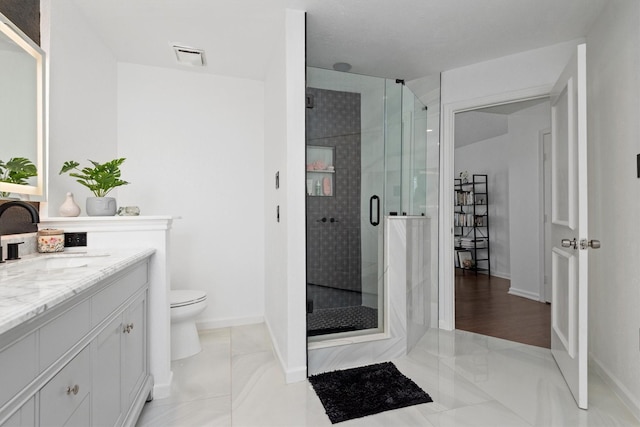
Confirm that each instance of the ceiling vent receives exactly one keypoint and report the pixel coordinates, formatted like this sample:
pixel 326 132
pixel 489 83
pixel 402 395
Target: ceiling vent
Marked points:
pixel 190 56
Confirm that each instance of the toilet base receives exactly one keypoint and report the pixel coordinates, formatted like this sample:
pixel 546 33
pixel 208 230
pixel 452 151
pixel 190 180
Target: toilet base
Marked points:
pixel 185 341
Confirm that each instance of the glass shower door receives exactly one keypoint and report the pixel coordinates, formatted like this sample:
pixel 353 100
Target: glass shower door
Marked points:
pixel 345 196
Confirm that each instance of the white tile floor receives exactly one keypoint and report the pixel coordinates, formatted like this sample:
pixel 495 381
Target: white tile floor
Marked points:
pixel 474 380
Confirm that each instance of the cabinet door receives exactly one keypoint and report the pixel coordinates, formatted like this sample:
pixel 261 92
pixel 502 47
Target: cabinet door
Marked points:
pixel 63 396
pixel 25 417
pixel 107 371
pixel 134 351
pixel 81 415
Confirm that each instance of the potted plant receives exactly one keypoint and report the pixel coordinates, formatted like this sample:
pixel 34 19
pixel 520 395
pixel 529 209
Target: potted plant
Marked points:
pixel 16 170
pixel 100 180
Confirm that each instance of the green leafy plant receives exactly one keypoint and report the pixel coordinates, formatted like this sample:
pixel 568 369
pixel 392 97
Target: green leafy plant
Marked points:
pixel 16 170
pixel 99 179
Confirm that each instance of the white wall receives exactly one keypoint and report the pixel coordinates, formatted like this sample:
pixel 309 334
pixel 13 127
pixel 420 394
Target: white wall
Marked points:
pixel 613 108
pixel 525 229
pixel 496 81
pixel 194 145
pixel 285 271
pixel 82 98
pixel 487 157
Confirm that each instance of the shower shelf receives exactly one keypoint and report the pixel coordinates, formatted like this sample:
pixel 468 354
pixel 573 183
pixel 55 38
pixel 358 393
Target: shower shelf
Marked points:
pixel 320 172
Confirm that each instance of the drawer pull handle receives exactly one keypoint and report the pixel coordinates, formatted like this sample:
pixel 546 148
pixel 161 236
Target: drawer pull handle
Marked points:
pixel 73 390
pixel 128 328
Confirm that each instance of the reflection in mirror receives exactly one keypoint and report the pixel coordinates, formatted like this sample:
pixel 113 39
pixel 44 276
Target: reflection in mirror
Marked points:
pixel 22 143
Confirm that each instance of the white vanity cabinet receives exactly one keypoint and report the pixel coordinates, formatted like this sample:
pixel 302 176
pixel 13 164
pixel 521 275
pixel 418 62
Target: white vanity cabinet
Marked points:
pixel 64 401
pixel 25 416
pixel 120 366
pixel 84 362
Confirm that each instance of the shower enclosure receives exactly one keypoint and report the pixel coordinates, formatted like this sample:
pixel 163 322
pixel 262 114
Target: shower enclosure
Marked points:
pixel 366 158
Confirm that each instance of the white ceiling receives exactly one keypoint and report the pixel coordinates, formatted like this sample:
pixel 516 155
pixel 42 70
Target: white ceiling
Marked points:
pixel 387 38
pixel 489 122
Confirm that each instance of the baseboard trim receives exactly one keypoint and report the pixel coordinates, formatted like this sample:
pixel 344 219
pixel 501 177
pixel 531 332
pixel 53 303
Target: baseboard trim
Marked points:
pixel 524 294
pixel 501 275
pixel 162 391
pixel 205 324
pixel 293 375
pixel 618 388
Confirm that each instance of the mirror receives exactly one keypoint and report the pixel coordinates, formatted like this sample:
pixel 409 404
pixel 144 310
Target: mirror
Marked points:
pixel 22 136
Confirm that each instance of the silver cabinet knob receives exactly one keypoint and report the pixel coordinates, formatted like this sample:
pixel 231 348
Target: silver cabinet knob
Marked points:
pixel 127 328
pixel 73 390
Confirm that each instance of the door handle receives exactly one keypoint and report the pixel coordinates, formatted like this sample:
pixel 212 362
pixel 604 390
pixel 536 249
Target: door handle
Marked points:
pixel 566 243
pixel 321 220
pixel 377 200
pixel 586 244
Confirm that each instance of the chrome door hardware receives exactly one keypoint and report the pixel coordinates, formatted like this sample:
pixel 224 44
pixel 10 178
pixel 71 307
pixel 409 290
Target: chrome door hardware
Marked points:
pixel 566 243
pixel 73 390
pixel 586 244
pixel 128 328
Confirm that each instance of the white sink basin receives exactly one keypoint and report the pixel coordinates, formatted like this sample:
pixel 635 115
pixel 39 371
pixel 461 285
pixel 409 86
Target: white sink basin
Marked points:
pixel 58 262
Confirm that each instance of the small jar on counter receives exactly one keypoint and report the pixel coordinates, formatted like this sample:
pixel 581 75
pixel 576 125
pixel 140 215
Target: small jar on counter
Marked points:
pixel 50 240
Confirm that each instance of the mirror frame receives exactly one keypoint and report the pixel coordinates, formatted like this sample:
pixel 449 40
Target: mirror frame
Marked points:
pixel 30 47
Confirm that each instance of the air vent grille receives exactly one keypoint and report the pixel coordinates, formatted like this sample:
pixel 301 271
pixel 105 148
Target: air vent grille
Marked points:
pixel 190 56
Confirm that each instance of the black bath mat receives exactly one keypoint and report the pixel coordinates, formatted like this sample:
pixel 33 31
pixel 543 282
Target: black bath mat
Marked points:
pixel 367 390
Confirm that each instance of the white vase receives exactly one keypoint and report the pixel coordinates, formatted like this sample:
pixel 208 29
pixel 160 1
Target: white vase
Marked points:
pixel 69 207
pixel 101 206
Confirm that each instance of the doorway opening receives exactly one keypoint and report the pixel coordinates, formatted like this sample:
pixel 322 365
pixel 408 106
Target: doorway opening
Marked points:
pixel 499 221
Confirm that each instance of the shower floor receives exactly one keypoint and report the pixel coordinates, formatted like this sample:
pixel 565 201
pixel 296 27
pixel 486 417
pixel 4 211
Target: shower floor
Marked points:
pixel 343 319
pixel 337 310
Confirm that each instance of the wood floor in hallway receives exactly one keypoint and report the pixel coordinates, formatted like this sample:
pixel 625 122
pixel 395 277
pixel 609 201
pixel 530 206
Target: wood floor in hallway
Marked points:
pixel 484 306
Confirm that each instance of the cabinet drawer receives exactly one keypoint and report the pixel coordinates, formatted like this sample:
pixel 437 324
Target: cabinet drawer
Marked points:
pixel 59 398
pixel 107 300
pixel 59 335
pixel 19 366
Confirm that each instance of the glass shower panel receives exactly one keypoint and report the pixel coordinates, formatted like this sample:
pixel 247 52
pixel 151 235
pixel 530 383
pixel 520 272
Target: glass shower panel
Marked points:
pixel 414 157
pixel 393 147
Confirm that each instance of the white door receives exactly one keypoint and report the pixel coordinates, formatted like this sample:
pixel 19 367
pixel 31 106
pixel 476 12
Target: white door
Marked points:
pixel 569 234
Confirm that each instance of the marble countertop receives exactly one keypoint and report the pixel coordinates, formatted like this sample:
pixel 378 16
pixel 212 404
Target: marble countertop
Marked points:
pixel 32 285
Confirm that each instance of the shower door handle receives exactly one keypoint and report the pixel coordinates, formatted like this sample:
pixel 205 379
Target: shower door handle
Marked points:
pixel 377 200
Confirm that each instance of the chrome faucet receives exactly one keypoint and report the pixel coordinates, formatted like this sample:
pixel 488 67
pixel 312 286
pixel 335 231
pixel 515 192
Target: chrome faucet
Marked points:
pixel 35 218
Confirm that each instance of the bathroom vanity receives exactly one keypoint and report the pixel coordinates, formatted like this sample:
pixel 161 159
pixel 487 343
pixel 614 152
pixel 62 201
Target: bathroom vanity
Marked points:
pixel 74 343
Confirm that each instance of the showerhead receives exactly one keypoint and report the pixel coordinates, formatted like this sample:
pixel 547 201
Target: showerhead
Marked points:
pixel 342 66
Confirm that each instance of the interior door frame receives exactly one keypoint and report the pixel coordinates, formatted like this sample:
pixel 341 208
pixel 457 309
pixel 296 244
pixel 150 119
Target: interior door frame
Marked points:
pixel 446 271
pixel 544 213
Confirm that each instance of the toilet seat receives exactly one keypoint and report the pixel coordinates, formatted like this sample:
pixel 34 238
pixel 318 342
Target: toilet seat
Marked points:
pixel 181 298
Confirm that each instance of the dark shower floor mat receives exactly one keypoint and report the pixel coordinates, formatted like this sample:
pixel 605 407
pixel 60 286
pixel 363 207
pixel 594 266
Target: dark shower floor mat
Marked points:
pixel 333 320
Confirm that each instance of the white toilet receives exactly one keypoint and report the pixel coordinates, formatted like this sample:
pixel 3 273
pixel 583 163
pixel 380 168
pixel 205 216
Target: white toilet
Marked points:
pixel 185 306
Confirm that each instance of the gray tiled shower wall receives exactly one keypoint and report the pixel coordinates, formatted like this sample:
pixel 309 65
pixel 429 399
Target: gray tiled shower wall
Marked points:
pixel 333 248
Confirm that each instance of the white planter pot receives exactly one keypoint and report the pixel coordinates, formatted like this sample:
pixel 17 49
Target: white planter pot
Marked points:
pixel 101 206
